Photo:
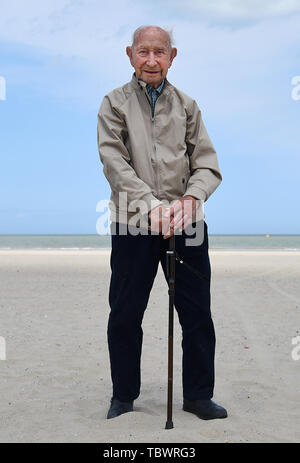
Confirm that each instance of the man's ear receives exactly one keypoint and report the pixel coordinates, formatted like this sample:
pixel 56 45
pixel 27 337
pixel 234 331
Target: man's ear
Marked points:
pixel 173 54
pixel 129 54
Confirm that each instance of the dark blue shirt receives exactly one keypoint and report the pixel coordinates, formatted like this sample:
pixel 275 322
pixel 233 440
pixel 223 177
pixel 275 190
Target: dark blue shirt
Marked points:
pixel 154 94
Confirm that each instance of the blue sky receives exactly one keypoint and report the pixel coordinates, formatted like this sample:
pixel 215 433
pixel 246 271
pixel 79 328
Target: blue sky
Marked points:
pixel 58 58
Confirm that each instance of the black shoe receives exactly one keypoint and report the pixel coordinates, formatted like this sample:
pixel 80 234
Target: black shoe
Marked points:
pixel 204 409
pixel 118 408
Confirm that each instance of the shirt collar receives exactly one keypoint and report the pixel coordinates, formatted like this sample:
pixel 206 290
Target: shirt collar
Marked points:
pixel 159 89
pixel 140 84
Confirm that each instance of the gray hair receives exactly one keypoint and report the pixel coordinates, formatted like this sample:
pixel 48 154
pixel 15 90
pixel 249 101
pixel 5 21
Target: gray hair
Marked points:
pixel 168 32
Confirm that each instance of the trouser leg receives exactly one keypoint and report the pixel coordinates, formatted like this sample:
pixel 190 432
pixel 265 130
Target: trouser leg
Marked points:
pixel 192 302
pixel 134 263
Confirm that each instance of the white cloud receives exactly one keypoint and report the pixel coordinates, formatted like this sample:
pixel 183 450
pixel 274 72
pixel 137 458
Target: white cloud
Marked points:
pixel 89 30
pixel 94 29
pixel 230 69
pixel 69 26
pixel 243 9
pixel 233 71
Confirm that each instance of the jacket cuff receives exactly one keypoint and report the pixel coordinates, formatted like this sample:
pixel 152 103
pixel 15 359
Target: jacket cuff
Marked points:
pixel 151 201
pixel 193 190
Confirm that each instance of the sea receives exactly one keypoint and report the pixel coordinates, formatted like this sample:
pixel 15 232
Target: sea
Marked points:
pixel 89 242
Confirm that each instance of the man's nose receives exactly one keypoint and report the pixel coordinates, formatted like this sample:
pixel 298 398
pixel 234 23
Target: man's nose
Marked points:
pixel 151 61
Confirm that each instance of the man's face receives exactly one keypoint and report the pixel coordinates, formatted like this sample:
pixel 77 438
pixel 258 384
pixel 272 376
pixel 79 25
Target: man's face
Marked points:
pixel 151 56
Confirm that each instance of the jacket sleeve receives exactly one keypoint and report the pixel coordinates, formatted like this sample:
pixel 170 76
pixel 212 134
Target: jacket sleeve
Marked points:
pixel 204 167
pixel 111 134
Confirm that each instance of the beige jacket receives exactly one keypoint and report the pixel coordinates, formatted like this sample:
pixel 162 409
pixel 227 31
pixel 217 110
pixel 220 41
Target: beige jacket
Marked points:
pixel 154 160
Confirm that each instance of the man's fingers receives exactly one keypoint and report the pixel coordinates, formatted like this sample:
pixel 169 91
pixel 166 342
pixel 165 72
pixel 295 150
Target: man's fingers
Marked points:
pixel 168 235
pixel 177 218
pixel 161 218
pixel 179 224
pixel 169 219
pixel 169 232
pixel 184 222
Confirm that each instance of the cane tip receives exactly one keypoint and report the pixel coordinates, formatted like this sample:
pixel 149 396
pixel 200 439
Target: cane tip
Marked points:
pixel 169 425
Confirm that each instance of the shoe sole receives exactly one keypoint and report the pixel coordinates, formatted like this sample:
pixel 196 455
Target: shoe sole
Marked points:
pixel 203 417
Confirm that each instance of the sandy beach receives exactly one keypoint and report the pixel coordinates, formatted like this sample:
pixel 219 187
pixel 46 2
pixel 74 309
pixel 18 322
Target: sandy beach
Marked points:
pixel 55 382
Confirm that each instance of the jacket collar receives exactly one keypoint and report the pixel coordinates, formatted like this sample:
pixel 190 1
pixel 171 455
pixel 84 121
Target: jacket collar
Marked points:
pixel 140 84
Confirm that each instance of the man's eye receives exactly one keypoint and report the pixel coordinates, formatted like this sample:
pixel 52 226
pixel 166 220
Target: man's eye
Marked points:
pixel 142 52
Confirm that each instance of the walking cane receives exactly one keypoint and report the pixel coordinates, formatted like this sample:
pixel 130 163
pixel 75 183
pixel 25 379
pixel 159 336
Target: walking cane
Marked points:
pixel 171 282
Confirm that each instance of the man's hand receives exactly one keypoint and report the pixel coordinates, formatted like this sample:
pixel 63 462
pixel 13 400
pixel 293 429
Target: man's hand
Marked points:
pixel 160 218
pixel 184 211
pixel 177 217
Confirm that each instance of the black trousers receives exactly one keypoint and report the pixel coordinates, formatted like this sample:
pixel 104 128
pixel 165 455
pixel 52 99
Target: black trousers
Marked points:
pixel 134 264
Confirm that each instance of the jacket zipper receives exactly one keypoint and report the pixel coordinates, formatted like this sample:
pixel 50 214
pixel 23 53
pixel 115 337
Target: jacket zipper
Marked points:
pixel 154 150
pixel 150 103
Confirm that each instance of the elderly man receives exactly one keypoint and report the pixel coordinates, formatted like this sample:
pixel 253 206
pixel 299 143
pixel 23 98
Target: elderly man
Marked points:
pixel 156 152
